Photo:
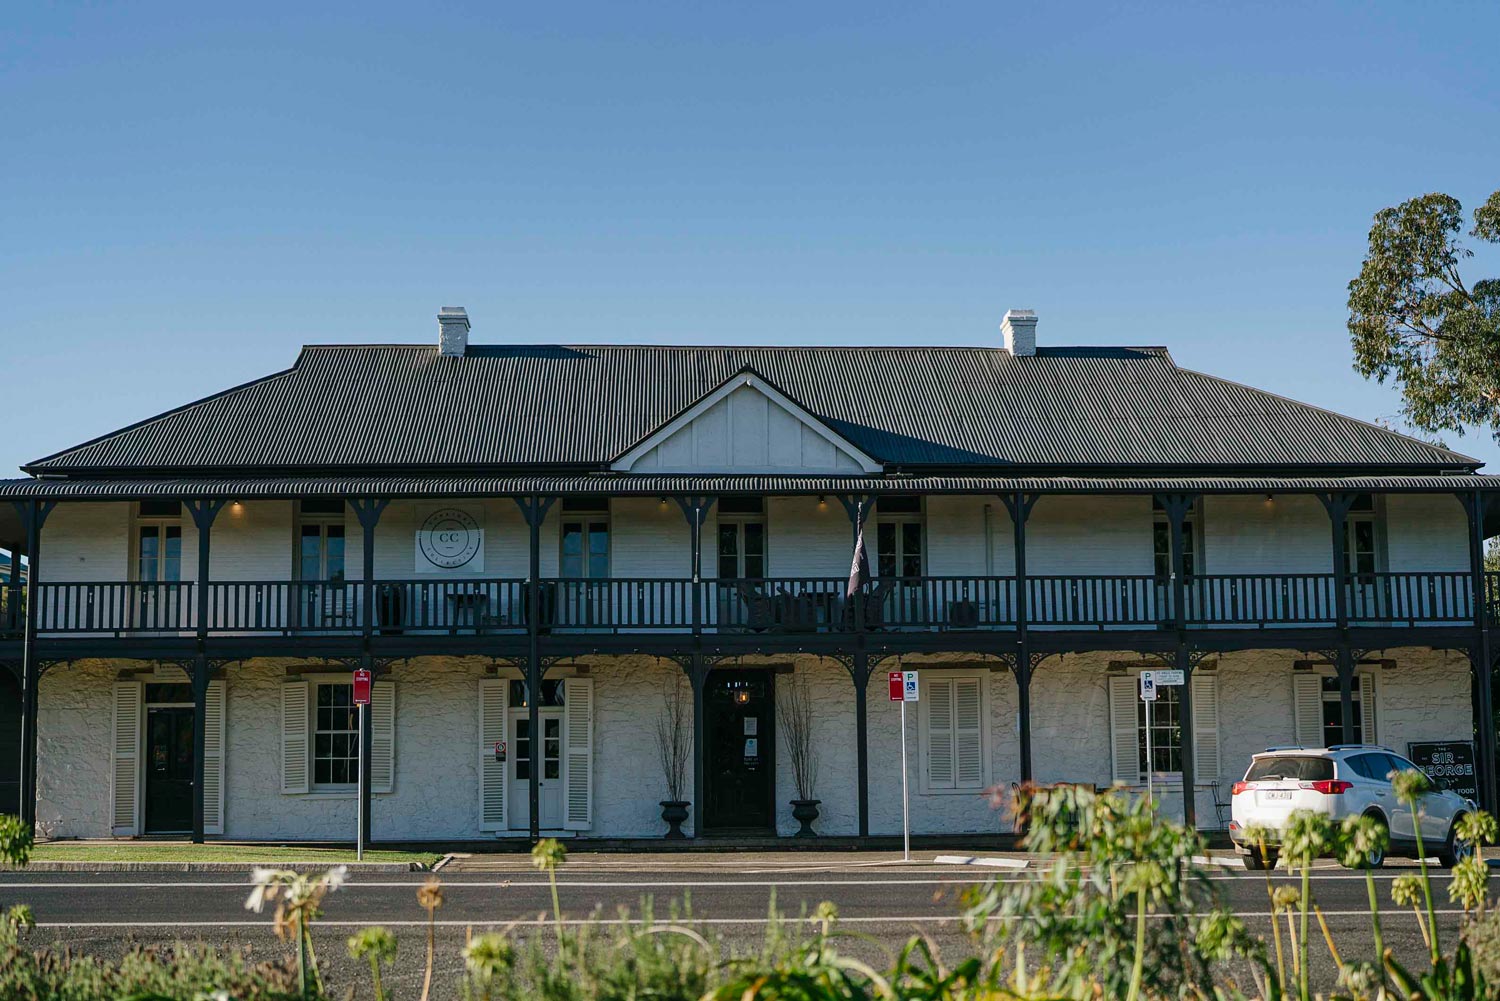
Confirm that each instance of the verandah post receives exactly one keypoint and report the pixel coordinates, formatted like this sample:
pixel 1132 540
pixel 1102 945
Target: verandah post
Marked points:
pixel 695 509
pixel 534 510
pixel 1019 505
pixel 203 512
pixel 858 509
pixel 368 510
pixel 1337 505
pixel 1476 506
pixel 33 515
pixel 1177 507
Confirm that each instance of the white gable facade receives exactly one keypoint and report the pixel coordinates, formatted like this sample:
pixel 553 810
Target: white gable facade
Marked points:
pixel 747 425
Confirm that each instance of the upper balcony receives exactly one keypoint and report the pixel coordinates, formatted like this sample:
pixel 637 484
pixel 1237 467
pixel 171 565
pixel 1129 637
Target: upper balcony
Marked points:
pixel 786 605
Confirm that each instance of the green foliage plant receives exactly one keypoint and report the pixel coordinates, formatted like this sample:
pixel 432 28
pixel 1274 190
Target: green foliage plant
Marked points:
pixel 1414 319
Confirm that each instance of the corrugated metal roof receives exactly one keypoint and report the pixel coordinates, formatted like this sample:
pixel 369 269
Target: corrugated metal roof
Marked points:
pixel 507 408
pixel 625 484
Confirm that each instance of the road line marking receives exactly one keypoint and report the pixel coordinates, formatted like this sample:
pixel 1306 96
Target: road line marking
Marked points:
pixel 545 922
pixel 512 884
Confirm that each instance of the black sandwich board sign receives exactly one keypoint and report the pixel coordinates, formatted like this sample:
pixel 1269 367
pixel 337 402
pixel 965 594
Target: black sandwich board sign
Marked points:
pixel 1449 763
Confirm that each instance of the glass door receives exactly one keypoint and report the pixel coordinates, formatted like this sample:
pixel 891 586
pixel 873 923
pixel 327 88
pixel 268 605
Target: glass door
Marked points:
pixel 159 603
pixel 322 598
pixel 585 570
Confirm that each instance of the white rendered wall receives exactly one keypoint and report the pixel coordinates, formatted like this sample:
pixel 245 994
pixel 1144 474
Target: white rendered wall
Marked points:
pixel 1424 695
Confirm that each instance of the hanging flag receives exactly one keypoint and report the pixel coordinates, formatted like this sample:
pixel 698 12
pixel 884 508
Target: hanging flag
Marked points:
pixel 859 570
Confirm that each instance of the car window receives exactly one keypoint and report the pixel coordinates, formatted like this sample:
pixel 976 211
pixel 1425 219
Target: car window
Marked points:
pixel 1391 763
pixel 1366 766
pixel 1289 766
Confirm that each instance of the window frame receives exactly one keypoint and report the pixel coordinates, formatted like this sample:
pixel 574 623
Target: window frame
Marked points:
pixel 161 522
pixel 1162 777
pixel 1371 513
pixel 323 521
pixel 739 521
pixel 1192 534
pixel 314 787
pixel 899 518
pixel 986 734
pixel 590 519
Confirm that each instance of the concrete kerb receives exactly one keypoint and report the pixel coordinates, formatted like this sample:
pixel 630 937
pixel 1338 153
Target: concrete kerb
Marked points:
pixel 359 868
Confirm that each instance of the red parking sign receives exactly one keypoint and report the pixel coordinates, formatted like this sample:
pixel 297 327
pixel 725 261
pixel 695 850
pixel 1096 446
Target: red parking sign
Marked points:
pixel 898 689
pixel 361 687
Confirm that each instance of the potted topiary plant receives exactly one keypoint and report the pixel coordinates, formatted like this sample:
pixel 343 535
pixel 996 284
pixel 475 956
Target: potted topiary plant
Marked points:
pixel 673 745
pixel 794 718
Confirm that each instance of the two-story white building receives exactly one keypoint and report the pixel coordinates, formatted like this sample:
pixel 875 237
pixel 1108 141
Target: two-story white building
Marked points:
pixel 541 550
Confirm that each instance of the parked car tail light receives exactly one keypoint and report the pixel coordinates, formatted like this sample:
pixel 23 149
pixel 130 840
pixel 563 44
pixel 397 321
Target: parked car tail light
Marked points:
pixel 1330 787
pixel 1238 788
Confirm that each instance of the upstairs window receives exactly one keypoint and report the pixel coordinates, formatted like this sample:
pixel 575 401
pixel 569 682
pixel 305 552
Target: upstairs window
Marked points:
pixel 320 540
pixel 1161 541
pixel 158 542
pixel 585 538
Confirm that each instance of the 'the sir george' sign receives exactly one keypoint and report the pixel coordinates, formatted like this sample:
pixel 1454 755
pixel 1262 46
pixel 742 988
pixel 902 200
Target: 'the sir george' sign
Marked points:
pixel 1449 763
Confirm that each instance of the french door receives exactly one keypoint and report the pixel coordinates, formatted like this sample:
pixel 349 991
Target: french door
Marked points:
pixel 158 570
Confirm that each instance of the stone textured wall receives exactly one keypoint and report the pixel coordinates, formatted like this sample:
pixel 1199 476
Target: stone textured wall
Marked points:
pixel 1423 695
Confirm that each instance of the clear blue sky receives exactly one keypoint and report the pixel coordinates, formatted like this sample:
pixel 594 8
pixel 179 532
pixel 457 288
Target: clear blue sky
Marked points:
pixel 185 198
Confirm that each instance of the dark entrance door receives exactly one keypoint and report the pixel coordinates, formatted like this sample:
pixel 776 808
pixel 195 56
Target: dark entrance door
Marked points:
pixel 169 769
pixel 740 724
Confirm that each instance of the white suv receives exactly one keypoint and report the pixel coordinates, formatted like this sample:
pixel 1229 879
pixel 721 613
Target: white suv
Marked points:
pixel 1341 781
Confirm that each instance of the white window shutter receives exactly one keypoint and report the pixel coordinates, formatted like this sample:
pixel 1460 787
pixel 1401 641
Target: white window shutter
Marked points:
pixel 939 744
pixel 968 734
pixel 1307 708
pixel 1124 740
pixel 294 737
pixel 126 760
pixel 493 693
pixel 382 736
pixel 578 754
pixel 1367 700
pixel 1205 727
pixel 213 758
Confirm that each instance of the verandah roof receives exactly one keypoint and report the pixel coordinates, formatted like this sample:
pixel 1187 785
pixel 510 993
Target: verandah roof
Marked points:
pixel 625 485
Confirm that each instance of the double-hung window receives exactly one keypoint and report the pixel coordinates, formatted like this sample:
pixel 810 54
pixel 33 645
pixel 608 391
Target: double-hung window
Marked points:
pixel 335 750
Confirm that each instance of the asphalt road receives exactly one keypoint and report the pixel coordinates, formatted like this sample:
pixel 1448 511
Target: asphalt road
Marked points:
pixel 882 901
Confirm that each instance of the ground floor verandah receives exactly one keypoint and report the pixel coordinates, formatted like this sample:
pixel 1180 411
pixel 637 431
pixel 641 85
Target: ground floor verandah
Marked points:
pixel 116 750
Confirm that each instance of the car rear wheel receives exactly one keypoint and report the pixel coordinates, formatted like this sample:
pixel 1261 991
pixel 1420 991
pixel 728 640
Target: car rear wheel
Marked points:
pixel 1455 849
pixel 1259 860
pixel 1375 858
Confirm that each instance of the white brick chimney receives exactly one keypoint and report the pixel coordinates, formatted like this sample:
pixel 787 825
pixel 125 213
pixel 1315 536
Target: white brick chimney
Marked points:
pixel 1019 330
pixel 453 331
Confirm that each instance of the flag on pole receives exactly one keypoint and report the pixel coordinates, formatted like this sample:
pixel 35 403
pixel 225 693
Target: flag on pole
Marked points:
pixel 859 570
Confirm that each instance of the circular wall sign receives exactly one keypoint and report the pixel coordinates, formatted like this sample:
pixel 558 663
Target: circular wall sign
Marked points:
pixel 449 538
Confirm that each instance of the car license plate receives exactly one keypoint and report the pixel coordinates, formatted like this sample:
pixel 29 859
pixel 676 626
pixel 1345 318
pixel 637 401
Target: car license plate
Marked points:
pixel 1277 794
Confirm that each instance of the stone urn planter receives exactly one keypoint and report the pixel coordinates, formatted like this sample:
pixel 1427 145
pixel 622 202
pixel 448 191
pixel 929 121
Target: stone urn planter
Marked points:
pixel 674 812
pixel 805 811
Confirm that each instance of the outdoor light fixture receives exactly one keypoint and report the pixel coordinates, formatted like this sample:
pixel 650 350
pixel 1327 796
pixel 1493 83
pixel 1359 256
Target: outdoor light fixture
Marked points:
pixel 742 697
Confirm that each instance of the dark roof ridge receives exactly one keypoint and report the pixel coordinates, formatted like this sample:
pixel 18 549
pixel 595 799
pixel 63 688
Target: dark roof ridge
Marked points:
pixel 1041 351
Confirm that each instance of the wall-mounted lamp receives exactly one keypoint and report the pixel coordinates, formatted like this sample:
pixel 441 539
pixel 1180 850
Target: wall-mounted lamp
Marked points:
pixel 236 509
pixel 742 697
pixel 822 501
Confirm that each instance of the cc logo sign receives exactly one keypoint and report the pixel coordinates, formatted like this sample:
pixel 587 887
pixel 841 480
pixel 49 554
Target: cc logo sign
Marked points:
pixel 449 538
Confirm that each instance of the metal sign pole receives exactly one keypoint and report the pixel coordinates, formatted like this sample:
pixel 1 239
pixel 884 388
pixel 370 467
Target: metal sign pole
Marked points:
pixel 1149 763
pixel 359 795
pixel 905 810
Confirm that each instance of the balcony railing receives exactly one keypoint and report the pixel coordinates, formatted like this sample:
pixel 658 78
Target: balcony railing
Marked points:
pixel 770 605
